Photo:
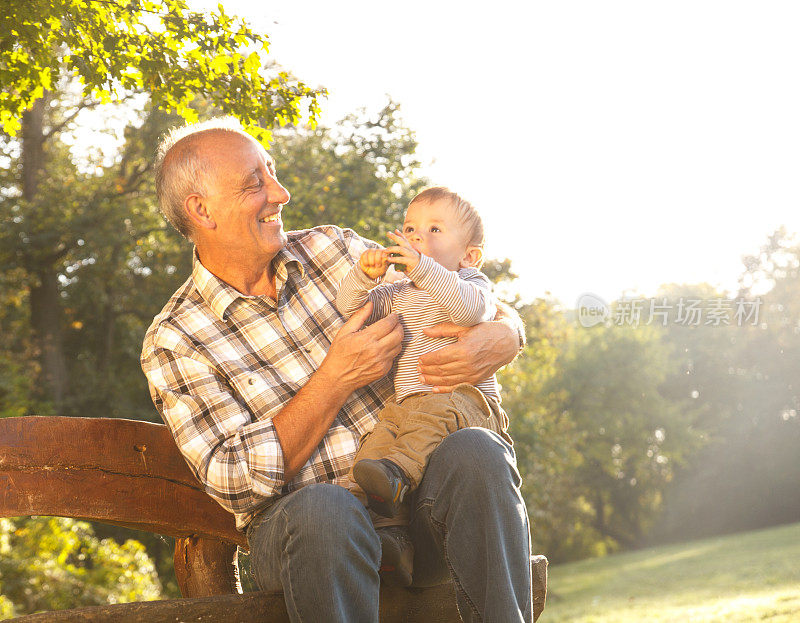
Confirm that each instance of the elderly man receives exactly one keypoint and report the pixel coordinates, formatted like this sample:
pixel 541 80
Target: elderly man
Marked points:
pixel 267 391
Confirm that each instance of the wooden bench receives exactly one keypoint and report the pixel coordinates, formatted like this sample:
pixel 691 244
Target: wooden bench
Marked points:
pixel 130 473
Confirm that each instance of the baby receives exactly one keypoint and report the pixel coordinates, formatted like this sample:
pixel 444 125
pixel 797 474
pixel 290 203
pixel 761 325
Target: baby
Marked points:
pixel 440 250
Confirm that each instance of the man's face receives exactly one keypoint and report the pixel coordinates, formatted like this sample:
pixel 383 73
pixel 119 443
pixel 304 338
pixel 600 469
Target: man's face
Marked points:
pixel 244 197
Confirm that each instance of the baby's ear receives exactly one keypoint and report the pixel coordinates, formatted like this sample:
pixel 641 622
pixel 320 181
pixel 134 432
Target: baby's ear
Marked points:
pixel 473 258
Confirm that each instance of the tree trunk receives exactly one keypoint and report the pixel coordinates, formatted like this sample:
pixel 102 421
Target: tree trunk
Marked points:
pixel 44 300
pixel 108 319
pixel 45 303
pixel 32 148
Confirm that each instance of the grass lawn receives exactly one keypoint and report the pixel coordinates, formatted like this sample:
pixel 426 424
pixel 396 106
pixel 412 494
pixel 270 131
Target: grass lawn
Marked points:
pixel 752 576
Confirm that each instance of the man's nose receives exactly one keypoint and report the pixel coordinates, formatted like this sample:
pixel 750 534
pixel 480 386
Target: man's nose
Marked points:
pixel 277 193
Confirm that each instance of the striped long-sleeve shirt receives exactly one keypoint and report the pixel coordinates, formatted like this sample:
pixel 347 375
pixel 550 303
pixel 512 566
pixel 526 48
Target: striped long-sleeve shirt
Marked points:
pixel 430 295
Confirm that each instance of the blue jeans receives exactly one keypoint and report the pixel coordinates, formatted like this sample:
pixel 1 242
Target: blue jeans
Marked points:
pixel 468 524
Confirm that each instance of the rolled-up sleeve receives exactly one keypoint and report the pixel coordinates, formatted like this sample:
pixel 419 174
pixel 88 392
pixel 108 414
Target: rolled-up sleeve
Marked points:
pixel 235 455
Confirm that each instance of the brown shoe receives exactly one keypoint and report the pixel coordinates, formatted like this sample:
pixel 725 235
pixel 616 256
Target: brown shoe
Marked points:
pixel 397 557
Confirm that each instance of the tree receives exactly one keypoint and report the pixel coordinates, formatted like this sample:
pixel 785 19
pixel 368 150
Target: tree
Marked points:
pixel 18 367
pixel 52 563
pixel 112 48
pixel 745 381
pixel 704 355
pixel 361 174
pixel 83 228
pixel 544 435
pixel 630 437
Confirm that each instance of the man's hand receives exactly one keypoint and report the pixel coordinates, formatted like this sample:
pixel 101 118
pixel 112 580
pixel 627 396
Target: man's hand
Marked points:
pixel 374 262
pixel 479 352
pixel 360 355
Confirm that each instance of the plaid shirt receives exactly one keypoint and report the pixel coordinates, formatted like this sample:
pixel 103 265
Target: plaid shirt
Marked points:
pixel 221 364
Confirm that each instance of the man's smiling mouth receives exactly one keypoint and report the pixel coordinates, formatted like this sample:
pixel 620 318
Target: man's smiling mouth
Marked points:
pixel 273 218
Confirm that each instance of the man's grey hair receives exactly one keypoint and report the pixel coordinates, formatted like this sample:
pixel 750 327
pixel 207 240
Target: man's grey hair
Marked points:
pixel 186 171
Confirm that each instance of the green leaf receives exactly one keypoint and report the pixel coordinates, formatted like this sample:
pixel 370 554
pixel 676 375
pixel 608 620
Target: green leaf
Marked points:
pixel 252 64
pixel 220 64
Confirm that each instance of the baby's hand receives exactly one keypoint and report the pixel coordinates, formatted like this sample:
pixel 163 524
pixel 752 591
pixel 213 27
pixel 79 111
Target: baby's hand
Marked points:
pixel 374 262
pixel 403 254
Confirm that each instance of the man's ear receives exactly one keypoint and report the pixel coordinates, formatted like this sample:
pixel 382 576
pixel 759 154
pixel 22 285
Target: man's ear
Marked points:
pixel 473 258
pixel 198 213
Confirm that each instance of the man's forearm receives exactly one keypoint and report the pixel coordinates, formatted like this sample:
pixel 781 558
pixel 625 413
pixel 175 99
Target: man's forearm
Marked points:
pixel 510 317
pixel 306 418
pixel 357 356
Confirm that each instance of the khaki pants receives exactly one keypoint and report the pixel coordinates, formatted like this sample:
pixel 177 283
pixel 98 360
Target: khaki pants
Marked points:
pixel 407 433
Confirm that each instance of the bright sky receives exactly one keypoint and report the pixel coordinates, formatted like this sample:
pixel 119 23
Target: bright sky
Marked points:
pixel 612 146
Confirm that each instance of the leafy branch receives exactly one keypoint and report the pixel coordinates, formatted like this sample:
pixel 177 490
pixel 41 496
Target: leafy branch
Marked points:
pixel 156 45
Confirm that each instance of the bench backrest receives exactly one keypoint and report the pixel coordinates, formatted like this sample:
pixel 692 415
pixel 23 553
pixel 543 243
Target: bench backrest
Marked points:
pixel 123 472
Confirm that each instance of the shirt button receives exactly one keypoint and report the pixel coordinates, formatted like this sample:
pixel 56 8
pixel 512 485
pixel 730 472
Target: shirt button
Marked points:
pixel 251 381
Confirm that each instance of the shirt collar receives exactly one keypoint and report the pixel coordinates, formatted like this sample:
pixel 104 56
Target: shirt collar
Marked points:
pixel 219 295
pixel 282 261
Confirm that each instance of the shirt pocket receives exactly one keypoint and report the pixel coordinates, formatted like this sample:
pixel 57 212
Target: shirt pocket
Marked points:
pixel 261 394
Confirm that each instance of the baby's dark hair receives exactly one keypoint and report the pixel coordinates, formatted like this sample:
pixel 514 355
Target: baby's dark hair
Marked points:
pixel 465 211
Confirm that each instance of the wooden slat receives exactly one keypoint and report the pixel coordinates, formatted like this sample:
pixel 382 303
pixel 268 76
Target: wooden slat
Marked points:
pixel 116 471
pixel 430 605
pixel 110 444
pixel 228 608
pixel 397 605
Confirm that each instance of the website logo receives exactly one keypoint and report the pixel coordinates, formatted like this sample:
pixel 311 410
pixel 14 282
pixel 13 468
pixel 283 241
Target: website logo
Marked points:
pixel 592 310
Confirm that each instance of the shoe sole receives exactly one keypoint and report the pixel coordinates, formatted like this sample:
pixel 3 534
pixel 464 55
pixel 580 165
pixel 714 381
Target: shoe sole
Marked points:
pixel 391 571
pixel 380 496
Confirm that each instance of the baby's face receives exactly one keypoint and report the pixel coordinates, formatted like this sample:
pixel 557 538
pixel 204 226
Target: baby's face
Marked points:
pixel 434 230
